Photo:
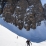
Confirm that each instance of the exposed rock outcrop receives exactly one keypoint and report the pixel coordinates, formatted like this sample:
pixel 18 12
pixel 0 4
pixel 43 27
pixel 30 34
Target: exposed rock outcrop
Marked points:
pixel 23 13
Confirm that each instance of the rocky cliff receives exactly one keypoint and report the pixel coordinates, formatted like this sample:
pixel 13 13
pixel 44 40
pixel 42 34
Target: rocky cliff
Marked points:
pixel 23 13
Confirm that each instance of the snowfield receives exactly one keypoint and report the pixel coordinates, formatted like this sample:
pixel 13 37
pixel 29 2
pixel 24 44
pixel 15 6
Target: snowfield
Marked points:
pixel 8 38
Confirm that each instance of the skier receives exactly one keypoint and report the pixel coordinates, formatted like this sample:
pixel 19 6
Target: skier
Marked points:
pixel 17 37
pixel 28 42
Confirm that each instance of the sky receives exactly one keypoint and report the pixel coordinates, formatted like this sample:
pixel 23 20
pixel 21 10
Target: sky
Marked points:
pixel 37 35
pixel 43 2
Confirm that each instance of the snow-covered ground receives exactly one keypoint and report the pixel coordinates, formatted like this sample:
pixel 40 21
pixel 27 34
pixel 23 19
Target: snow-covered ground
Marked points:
pixel 8 38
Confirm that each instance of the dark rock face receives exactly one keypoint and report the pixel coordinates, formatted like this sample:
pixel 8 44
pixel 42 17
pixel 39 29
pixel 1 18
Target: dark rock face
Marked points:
pixel 23 13
pixel 45 11
pixel 2 4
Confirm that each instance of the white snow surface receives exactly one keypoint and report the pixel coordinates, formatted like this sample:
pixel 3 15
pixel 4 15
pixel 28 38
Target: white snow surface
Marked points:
pixel 8 38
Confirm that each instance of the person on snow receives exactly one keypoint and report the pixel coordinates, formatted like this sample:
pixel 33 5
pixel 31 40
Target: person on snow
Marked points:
pixel 28 42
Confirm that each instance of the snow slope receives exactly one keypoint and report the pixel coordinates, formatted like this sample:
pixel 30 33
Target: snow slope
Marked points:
pixel 8 38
